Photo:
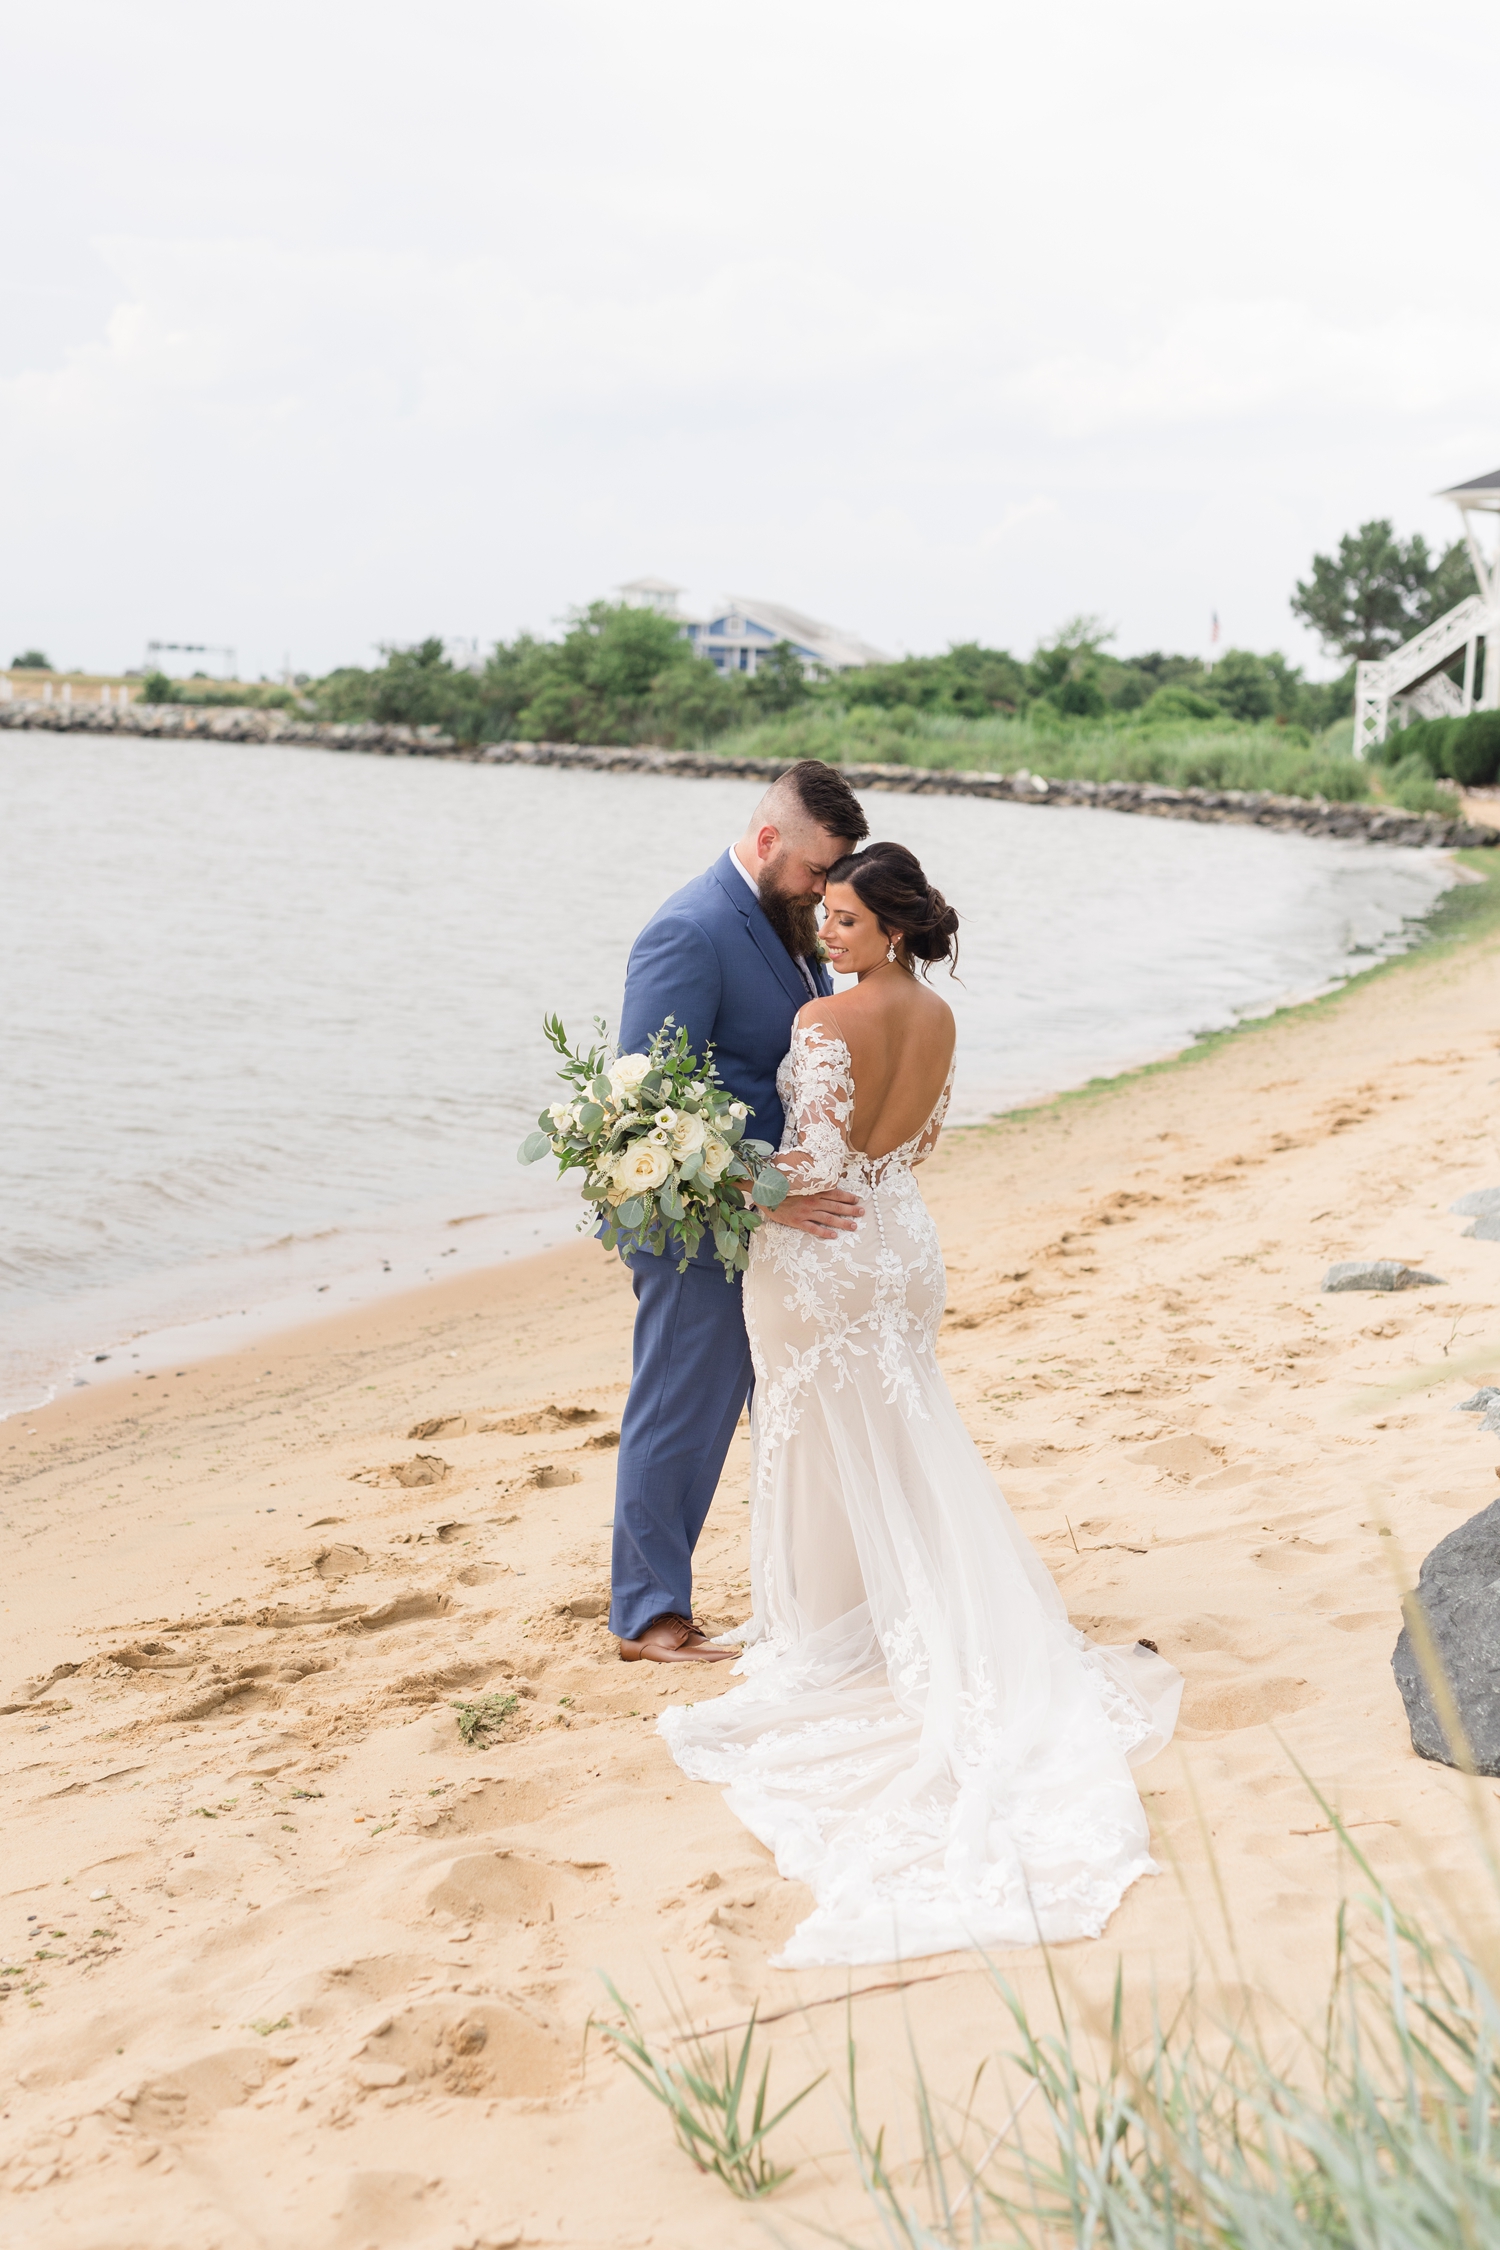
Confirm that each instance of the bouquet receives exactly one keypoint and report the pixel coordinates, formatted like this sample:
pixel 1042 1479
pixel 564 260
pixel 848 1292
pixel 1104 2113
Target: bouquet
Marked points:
pixel 661 1145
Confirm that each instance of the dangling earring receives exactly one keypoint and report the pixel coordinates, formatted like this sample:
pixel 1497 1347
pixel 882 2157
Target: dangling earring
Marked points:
pixel 890 951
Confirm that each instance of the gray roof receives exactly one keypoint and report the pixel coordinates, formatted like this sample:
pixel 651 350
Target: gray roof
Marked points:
pixel 829 642
pixel 1483 492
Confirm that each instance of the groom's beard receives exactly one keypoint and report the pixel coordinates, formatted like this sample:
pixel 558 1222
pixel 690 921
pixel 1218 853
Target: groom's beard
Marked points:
pixel 795 920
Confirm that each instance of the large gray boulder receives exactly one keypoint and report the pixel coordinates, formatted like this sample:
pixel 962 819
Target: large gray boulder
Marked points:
pixel 1486 1227
pixel 1379 1273
pixel 1458 1594
pixel 1481 1204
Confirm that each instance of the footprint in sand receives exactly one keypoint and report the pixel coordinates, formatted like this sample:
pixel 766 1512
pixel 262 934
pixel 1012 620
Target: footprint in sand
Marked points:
pixel 1226 1707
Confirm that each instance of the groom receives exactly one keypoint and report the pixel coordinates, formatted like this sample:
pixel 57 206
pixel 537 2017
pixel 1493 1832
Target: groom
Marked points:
pixel 731 956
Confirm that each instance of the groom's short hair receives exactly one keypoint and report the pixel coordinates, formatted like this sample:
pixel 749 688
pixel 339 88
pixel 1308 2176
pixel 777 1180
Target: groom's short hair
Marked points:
pixel 824 797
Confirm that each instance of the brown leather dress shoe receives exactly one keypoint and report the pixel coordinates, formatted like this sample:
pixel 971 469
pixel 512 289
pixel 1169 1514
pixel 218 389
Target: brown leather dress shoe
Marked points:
pixel 674 1640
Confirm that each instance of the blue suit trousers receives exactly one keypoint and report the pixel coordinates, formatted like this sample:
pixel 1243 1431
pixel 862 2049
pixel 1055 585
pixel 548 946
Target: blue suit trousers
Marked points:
pixel 690 1377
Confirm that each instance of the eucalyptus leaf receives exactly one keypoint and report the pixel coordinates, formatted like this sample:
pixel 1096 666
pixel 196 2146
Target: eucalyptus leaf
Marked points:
pixel 770 1187
pixel 534 1148
pixel 590 1117
pixel 632 1211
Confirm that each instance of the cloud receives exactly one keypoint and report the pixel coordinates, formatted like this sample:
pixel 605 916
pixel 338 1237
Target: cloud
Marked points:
pixel 940 326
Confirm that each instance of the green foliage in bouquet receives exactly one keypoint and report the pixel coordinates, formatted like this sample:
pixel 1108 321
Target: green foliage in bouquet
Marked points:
pixel 661 1145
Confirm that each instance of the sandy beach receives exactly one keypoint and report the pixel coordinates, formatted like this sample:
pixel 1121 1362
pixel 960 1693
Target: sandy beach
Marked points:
pixel 289 1964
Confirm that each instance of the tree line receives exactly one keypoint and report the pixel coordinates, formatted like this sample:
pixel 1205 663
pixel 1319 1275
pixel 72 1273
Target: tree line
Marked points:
pixel 621 674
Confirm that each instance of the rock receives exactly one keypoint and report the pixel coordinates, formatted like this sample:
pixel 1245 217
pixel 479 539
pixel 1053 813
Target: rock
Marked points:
pixel 1458 1594
pixel 1379 1273
pixel 1491 1420
pixel 1482 1203
pixel 1480 1400
pixel 585 1605
pixel 1486 1228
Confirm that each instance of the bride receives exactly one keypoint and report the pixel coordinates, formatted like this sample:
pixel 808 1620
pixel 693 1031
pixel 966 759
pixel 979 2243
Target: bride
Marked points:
pixel 918 1734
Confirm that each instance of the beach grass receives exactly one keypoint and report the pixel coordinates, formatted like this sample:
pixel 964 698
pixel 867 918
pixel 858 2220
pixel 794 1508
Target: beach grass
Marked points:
pixel 1181 754
pixel 704 2090
pixel 1375 2126
pixel 1226 2121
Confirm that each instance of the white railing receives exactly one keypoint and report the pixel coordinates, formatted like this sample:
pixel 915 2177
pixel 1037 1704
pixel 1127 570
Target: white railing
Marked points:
pixel 1411 673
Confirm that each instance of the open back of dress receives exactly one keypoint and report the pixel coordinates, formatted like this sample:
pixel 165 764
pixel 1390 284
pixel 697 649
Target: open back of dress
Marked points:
pixel 919 1734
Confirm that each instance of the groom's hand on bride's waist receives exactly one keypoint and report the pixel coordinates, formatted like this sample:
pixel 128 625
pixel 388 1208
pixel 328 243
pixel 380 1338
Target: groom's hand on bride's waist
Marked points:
pixel 828 1214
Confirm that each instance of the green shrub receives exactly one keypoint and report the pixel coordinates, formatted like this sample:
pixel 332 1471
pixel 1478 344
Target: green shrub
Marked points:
pixel 1243 685
pixel 1411 786
pixel 1464 750
pixel 1170 704
pixel 1471 751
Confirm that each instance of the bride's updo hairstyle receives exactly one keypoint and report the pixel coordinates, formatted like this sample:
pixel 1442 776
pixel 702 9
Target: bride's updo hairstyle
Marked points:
pixel 888 879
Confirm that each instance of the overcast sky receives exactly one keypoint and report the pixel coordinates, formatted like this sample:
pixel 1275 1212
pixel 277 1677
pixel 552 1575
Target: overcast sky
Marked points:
pixel 325 325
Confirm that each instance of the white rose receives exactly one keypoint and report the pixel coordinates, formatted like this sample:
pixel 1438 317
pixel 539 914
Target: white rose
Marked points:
pixel 625 1074
pixel 639 1168
pixel 716 1154
pixel 739 1109
pixel 685 1133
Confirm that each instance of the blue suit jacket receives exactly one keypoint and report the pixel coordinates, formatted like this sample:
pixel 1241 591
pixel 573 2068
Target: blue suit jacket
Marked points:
pixel 711 959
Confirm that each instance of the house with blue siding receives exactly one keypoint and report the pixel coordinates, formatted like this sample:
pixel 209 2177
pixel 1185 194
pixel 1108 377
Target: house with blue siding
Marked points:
pixel 744 629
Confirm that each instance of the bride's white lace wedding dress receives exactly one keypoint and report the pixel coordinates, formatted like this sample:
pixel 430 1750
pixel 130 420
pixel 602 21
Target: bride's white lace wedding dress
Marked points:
pixel 919 1734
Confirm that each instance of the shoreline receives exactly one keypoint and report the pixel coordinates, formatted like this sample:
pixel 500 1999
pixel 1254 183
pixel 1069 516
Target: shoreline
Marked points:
pixel 1314 816
pixel 339 1955
pixel 209 1335
pixel 122 1323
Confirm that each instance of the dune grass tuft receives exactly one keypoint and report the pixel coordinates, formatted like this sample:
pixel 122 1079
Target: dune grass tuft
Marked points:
pixel 704 2096
pixel 1378 2129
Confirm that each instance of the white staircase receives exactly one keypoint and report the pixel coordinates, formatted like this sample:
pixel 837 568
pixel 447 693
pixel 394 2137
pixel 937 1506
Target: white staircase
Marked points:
pixel 1414 678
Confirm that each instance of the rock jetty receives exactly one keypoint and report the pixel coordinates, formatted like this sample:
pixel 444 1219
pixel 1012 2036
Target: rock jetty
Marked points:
pixel 1312 816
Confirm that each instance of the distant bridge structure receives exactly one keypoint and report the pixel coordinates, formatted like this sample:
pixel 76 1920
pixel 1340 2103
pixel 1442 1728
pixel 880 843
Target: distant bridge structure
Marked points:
pixel 189 648
pixel 1414 682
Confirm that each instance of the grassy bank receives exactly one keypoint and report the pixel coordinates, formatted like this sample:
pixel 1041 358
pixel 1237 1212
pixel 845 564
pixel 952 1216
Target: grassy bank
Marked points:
pixel 1186 753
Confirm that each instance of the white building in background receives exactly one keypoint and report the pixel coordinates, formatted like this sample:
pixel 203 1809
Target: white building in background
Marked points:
pixel 651 593
pixel 744 629
pixel 1414 681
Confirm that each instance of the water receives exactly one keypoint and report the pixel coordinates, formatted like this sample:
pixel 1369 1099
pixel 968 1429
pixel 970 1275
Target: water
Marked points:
pixel 271 1021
